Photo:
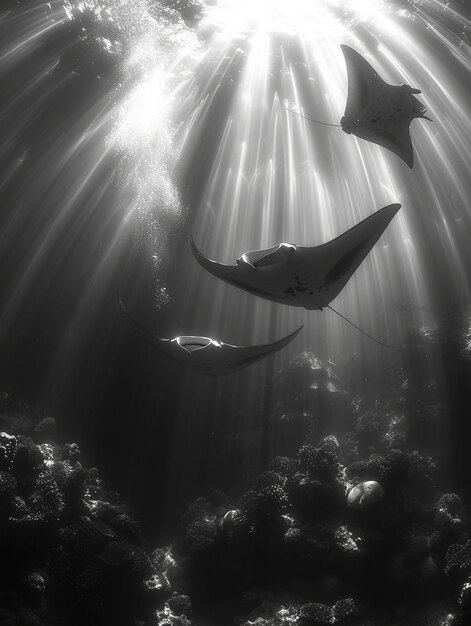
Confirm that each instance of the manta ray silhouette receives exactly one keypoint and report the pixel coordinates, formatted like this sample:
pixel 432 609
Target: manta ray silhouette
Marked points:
pixel 211 356
pixel 376 111
pixel 379 112
pixel 309 277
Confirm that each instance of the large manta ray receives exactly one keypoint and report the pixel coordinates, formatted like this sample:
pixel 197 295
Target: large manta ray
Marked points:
pixel 377 111
pixel 211 356
pixel 309 277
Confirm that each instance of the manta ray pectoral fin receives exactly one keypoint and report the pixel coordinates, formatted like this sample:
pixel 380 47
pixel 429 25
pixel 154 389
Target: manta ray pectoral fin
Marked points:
pixel 247 355
pixel 343 255
pixel 157 342
pixel 218 269
pixel 233 274
pixel 362 78
pixel 281 343
pixel 202 259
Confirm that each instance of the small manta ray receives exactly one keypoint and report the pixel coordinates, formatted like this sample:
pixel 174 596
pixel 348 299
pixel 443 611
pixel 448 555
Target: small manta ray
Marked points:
pixel 376 111
pixel 309 277
pixel 211 356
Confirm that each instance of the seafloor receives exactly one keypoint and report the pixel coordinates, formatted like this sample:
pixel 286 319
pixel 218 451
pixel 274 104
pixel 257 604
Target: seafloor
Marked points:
pixel 353 528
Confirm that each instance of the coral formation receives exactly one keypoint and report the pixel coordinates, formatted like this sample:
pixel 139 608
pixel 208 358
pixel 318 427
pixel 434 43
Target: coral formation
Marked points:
pixel 365 495
pixel 72 553
pixel 342 527
pixel 340 522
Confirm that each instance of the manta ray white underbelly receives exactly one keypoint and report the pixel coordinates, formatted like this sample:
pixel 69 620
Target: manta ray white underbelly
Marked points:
pixel 309 277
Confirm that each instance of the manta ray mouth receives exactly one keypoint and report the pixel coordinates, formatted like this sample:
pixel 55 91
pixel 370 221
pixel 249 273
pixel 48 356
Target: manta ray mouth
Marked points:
pixel 193 343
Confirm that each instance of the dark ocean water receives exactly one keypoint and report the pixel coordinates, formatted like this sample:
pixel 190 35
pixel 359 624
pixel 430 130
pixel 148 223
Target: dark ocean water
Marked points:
pixel 122 136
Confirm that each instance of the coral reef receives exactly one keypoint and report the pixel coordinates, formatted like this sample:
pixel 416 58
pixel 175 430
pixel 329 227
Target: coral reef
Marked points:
pixel 365 495
pixel 345 523
pixel 377 529
pixel 72 552
pixel 350 528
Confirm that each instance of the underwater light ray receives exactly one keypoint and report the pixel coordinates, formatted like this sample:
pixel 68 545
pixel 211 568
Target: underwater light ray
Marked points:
pixel 56 156
pixel 364 167
pixel 23 47
pixel 48 240
pixel 312 207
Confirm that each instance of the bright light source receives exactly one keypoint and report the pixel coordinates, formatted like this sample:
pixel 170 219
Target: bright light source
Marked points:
pixel 239 17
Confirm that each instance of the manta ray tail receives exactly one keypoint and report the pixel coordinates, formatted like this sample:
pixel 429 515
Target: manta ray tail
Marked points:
pixel 358 328
pixel 311 120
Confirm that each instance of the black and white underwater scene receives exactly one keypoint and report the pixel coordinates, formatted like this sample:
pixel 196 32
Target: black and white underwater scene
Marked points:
pixel 235 313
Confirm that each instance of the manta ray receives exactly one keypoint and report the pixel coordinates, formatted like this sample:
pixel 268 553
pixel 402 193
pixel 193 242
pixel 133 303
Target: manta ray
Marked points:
pixel 376 111
pixel 309 277
pixel 211 356
pixel 379 112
